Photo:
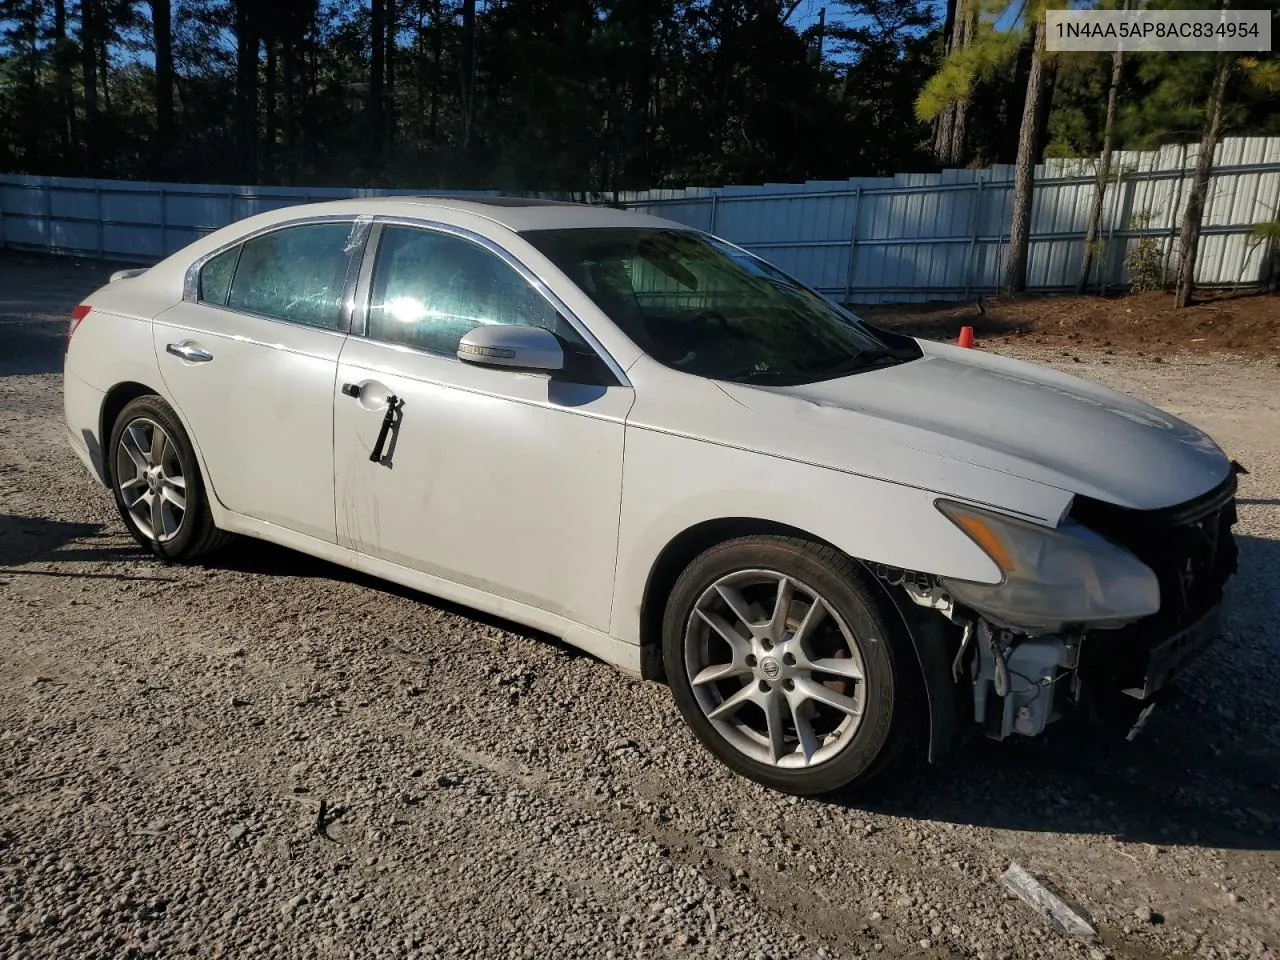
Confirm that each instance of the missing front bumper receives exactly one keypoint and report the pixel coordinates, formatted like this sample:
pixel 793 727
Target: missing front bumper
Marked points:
pixel 1167 659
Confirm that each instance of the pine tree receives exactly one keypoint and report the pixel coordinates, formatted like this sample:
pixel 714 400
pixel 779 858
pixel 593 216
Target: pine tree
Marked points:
pixel 1104 170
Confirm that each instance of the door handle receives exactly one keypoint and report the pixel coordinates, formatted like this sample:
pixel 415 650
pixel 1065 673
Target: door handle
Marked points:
pixel 387 421
pixel 189 352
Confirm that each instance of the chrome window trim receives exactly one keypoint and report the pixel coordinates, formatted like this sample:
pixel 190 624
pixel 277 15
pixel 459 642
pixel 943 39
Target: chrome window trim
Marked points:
pixel 365 288
pixel 364 285
pixel 191 280
pixel 356 245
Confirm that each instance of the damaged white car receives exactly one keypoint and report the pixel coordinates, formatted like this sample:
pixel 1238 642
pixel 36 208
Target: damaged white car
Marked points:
pixel 824 536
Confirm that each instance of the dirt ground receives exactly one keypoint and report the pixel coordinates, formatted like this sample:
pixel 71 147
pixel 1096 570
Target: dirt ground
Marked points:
pixel 272 757
pixel 1245 324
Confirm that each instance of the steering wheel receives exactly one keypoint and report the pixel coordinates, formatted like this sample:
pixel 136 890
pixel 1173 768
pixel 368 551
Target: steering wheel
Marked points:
pixel 697 332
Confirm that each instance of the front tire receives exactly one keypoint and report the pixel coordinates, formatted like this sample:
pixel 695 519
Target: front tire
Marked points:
pixel 157 484
pixel 787 664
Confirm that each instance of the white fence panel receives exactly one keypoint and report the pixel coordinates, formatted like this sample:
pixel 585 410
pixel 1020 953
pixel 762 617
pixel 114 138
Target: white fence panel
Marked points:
pixel 912 237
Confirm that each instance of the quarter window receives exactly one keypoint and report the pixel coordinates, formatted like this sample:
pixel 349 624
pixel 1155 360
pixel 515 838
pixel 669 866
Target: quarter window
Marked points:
pixel 215 277
pixel 296 274
pixel 431 288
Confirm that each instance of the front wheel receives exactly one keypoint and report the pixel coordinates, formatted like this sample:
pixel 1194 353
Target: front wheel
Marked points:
pixel 157 484
pixel 786 663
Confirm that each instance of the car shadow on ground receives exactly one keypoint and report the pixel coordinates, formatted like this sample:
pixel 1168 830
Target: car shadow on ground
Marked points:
pixel 1197 774
pixel 25 540
pixel 245 555
pixel 1173 785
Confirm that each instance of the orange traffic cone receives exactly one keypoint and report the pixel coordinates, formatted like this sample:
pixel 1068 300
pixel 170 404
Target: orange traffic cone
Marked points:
pixel 966 337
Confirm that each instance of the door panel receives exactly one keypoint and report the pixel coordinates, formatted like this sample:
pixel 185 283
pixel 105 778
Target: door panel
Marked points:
pixel 505 481
pixel 260 410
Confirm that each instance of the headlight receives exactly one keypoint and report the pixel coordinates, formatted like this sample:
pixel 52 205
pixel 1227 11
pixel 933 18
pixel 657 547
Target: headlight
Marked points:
pixel 1051 576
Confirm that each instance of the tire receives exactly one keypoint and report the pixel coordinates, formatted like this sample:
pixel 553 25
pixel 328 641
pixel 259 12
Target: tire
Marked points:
pixel 150 457
pixel 781 672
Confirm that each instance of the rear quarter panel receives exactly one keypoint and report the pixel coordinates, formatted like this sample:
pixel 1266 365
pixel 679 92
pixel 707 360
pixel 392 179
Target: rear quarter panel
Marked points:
pixel 111 346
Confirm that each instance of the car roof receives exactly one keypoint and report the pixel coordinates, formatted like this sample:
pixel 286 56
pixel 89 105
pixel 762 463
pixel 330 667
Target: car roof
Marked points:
pixel 515 213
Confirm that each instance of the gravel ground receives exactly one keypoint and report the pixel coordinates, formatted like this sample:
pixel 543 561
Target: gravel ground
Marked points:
pixel 271 756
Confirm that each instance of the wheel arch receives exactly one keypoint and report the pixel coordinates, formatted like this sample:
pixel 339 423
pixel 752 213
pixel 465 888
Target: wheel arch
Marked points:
pixel 929 639
pixel 116 399
pixel 113 402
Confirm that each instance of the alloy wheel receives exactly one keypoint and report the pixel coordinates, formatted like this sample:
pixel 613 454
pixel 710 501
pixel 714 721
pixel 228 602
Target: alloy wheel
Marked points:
pixel 149 476
pixel 774 668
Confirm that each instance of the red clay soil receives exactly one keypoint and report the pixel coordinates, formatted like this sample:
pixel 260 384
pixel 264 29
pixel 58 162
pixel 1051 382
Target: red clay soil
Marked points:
pixel 1148 323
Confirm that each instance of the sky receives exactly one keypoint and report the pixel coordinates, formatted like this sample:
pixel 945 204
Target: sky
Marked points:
pixel 806 14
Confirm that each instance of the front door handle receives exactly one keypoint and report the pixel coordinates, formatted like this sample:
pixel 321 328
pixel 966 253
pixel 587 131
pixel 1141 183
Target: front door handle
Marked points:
pixel 388 420
pixel 189 352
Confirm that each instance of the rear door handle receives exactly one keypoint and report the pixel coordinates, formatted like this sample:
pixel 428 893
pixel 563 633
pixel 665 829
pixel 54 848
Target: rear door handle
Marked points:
pixel 189 352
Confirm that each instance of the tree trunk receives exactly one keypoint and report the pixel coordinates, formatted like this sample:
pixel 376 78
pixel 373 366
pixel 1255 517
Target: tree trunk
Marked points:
pixel 1015 274
pixel 437 36
pixel 162 27
pixel 104 67
pixel 391 72
pixel 286 119
pixel 377 68
pixel 1189 237
pixel 468 68
pixel 246 91
pixel 944 133
pixel 948 25
pixel 1104 171
pixel 89 67
pixel 269 102
pixel 949 127
pixel 66 94
pixel 1049 82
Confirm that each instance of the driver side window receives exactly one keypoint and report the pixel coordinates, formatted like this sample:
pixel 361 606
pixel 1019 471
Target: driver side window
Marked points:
pixel 430 288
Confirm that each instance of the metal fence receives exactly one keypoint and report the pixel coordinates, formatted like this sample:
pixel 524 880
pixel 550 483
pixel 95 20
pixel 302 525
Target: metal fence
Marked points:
pixel 912 237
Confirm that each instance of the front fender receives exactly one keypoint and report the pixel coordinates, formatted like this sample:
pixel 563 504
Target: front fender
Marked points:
pixel 672 483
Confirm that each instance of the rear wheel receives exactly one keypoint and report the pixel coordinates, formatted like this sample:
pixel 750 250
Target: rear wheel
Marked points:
pixel 157 483
pixel 787 665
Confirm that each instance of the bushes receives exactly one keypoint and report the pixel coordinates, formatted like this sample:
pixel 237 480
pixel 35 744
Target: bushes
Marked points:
pixel 1144 262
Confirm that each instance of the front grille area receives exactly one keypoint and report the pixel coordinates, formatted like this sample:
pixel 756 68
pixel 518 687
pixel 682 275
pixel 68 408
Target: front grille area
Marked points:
pixel 1192 551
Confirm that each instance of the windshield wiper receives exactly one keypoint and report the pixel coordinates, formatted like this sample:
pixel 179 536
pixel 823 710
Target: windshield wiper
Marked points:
pixel 863 360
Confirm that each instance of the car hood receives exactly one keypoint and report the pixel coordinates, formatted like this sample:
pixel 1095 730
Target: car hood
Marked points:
pixel 1015 418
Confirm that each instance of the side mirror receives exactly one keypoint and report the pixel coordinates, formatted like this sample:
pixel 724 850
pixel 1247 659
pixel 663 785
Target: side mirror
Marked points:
pixel 519 347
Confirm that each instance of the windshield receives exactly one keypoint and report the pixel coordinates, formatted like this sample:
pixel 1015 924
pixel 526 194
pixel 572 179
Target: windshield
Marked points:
pixel 707 308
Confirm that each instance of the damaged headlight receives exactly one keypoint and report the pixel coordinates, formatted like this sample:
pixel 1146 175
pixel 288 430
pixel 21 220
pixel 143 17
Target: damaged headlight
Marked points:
pixel 1051 576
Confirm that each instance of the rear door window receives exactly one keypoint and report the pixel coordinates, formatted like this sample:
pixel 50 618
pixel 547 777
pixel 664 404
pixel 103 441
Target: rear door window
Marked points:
pixel 296 274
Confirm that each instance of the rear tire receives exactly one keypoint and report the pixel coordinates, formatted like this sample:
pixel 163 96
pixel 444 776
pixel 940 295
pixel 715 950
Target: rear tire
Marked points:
pixel 157 484
pixel 788 664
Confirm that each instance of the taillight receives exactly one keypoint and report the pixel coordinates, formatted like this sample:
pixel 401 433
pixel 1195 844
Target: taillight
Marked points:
pixel 78 314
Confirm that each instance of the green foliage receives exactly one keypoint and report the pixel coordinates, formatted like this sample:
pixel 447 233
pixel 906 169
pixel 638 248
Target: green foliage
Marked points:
pixel 1268 230
pixel 979 61
pixel 596 95
pixel 1144 261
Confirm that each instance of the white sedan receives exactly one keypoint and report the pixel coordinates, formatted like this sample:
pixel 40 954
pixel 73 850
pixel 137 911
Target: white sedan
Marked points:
pixel 827 538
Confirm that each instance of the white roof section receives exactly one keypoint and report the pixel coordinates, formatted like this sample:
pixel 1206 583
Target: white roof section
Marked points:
pixel 514 213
